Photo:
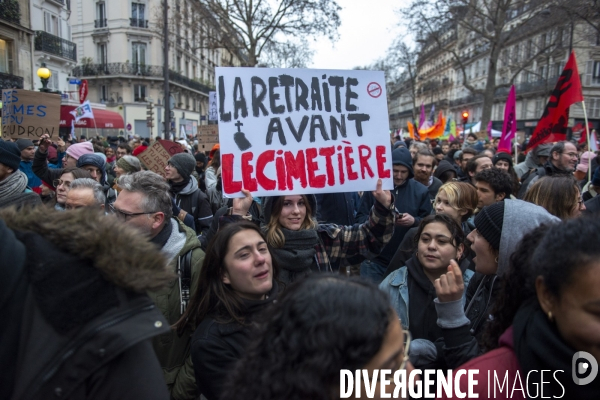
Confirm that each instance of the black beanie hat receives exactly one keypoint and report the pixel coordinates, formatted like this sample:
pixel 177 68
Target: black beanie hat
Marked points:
pixel 503 156
pixel 10 155
pixel 184 163
pixel 200 157
pixel 488 223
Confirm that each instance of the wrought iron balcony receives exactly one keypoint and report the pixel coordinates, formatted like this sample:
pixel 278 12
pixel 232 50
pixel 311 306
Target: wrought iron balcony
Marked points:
pixel 51 44
pixel 11 12
pixel 9 81
pixel 138 23
pixel 141 70
pixel 100 23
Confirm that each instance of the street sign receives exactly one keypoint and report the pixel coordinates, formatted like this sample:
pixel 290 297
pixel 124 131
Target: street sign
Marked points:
pixel 83 91
pixel 74 81
pixel 129 127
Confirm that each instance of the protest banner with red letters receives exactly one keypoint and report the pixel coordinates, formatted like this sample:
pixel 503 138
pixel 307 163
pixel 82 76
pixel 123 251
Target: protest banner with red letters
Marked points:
pixel 300 131
pixel 552 127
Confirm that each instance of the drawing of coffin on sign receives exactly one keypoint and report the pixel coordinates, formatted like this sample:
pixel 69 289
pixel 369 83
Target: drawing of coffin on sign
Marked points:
pixel 240 138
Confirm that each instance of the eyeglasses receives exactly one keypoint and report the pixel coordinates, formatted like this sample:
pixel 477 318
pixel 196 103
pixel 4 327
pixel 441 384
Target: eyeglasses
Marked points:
pixel 57 182
pixel 407 339
pixel 124 216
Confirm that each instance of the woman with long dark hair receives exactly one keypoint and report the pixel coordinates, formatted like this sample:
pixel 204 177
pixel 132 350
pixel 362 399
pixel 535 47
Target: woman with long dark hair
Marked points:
pixel 237 282
pixel 321 325
pixel 547 317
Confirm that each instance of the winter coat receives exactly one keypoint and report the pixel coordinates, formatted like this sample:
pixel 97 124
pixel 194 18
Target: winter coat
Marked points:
pixel 592 206
pixel 411 197
pixel 216 346
pixel 26 168
pixel 80 323
pixel 216 199
pixel 210 177
pixel 436 184
pixel 172 350
pixel 336 208
pixel 193 201
pixel 548 169
pixel 504 362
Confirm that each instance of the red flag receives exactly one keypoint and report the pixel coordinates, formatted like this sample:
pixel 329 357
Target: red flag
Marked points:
pixel 552 127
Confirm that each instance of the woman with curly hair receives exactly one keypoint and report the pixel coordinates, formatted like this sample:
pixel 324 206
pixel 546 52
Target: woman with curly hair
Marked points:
pixel 321 325
pixel 546 313
pixel 236 283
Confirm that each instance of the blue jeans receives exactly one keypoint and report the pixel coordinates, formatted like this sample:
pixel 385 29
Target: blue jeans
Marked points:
pixel 372 271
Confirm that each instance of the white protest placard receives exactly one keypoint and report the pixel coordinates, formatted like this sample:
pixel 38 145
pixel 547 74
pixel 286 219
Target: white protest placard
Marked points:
pixel 212 106
pixel 300 131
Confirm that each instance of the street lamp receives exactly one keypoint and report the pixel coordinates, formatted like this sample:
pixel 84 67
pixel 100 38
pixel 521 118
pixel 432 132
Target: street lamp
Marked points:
pixel 44 74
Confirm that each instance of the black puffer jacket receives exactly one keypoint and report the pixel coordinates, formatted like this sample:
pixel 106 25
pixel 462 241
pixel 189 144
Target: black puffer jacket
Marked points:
pixel 79 326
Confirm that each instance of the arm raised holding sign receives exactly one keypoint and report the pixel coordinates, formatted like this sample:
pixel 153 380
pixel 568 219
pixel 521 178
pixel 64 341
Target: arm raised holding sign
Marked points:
pixel 300 245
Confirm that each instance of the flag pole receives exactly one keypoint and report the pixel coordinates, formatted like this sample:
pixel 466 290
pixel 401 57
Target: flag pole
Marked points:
pixel 96 127
pixel 516 150
pixel 587 133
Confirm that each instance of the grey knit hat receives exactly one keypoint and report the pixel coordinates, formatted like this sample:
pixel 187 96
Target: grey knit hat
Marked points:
pixel 184 163
pixel 22 144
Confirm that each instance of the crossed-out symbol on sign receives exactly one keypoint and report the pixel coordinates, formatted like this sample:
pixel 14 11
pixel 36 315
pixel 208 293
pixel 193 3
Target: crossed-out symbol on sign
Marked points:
pixel 374 89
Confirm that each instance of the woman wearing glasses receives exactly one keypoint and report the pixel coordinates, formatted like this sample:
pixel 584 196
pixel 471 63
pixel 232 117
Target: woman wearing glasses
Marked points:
pixel 63 184
pixel 319 326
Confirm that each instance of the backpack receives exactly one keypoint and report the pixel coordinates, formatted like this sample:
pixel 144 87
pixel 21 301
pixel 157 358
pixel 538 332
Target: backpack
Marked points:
pixel 184 270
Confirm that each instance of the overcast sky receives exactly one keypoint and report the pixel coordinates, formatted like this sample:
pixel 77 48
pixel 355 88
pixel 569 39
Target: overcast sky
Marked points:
pixel 367 30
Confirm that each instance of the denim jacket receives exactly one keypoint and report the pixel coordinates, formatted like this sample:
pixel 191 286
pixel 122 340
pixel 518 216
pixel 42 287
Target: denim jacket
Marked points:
pixel 396 285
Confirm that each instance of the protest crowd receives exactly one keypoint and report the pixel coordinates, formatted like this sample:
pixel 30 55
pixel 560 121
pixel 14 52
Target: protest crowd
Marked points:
pixel 125 278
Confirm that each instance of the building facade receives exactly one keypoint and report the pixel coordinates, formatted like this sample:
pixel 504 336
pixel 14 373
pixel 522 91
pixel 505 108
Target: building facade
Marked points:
pixel 535 59
pixel 16 45
pixel 120 49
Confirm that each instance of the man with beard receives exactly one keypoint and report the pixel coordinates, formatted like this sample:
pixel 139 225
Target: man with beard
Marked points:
pixel 185 191
pixel 423 163
pixel 562 161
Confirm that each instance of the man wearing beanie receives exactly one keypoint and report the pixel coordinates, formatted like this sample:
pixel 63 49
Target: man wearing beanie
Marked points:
pixel 94 164
pixel 73 153
pixel 27 149
pixel 188 197
pixel 412 202
pixel 498 230
pixel 13 182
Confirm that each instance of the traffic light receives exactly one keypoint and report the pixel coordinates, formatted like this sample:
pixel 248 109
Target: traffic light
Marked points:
pixel 465 117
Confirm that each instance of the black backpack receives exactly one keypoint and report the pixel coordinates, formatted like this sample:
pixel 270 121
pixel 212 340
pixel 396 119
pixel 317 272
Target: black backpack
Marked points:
pixel 184 270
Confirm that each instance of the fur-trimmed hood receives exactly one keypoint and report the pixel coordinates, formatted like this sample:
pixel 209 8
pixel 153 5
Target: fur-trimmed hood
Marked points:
pixel 123 255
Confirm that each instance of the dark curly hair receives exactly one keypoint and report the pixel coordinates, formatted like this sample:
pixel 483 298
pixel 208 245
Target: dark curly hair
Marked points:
pixel 539 255
pixel 499 181
pixel 322 324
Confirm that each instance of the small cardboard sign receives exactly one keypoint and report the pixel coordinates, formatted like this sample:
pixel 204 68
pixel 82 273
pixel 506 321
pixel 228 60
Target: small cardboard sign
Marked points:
pixel 156 156
pixel 208 130
pixel 29 115
pixel 208 136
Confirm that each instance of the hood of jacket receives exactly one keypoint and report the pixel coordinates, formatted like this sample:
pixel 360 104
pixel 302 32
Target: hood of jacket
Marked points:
pixel 520 218
pixel 269 201
pixel 123 256
pixel 401 156
pixel 443 167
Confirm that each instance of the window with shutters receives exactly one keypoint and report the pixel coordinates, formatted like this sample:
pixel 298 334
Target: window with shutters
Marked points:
pixel 103 93
pixel 139 92
pixel 51 23
pixel 102 53
pixel 594 107
pixel 592 73
pixel 524 109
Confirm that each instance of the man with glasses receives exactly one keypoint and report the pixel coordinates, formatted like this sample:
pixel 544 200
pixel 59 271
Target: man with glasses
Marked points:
pixel 562 161
pixel 144 202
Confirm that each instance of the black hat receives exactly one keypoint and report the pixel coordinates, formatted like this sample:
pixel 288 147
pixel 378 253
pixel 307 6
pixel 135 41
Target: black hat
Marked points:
pixel 437 150
pixel 22 144
pixel 489 223
pixel 184 163
pixel 10 155
pixel 503 156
